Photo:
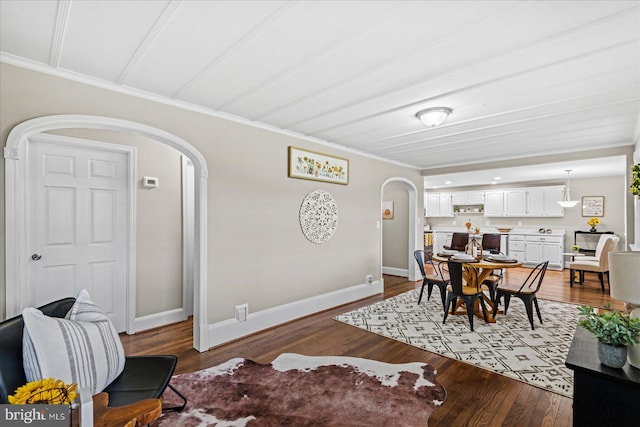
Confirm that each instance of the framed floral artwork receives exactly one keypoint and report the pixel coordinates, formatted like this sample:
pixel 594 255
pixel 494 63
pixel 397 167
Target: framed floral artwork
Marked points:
pixel 592 205
pixel 305 164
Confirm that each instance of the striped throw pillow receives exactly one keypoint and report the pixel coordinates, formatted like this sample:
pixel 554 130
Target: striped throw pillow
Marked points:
pixel 84 349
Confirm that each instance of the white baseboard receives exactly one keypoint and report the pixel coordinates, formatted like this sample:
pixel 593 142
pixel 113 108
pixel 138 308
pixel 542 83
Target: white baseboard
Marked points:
pixel 160 319
pixel 229 330
pixel 402 272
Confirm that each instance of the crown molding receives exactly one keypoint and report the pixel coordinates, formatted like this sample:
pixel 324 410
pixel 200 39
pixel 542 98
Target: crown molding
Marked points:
pixel 126 90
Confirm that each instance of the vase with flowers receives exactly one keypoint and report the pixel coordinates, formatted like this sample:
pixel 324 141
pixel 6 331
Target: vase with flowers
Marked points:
pixel 592 223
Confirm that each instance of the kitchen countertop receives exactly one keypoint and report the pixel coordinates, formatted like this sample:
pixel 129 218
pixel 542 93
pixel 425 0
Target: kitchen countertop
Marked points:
pixel 518 231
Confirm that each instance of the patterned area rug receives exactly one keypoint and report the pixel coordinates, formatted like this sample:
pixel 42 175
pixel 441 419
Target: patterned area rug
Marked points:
pixel 297 390
pixel 508 347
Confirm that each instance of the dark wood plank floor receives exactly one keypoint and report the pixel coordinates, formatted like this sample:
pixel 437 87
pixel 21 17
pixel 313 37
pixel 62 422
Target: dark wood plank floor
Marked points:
pixel 475 397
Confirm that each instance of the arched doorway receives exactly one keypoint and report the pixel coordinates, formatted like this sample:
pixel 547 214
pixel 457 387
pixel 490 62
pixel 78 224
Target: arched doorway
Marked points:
pixel 414 242
pixel 15 227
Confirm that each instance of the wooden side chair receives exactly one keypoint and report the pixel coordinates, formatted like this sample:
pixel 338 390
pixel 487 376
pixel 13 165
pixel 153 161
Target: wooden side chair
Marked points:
pixel 469 294
pixel 526 292
pixel 439 278
pixel 491 242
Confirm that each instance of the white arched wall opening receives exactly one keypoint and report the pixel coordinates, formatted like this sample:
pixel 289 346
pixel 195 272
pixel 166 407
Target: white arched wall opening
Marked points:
pixel 414 223
pixel 15 214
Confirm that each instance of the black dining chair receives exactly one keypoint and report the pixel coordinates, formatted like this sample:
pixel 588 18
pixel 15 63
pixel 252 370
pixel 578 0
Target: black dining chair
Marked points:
pixel 459 242
pixel 468 293
pixel 439 277
pixel 526 292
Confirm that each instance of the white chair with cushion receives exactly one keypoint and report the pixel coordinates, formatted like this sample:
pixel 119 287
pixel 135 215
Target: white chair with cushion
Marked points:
pixel 596 264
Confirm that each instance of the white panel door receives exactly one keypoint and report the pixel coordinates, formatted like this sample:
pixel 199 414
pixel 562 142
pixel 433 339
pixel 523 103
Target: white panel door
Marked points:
pixel 78 225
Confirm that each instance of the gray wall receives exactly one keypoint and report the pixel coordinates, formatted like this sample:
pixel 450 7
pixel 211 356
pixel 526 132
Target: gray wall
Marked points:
pixel 256 251
pixel 395 232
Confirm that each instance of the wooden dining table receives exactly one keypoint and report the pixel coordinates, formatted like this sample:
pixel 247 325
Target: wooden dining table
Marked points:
pixel 484 268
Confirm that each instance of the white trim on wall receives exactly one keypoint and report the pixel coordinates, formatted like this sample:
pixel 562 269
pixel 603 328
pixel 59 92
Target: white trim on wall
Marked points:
pixel 400 272
pixel 228 330
pixel 15 170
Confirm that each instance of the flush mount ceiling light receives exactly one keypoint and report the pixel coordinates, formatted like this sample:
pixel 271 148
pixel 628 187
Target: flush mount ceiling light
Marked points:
pixel 433 116
pixel 567 202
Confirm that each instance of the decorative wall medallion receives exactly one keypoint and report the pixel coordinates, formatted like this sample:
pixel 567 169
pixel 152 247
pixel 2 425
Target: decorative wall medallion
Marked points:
pixel 318 216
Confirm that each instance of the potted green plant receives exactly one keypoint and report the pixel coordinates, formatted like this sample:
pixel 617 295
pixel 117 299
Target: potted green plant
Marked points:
pixel 614 330
pixel 635 180
pixel 575 248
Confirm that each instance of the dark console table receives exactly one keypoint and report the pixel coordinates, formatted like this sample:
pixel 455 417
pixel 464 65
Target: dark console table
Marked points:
pixel 598 233
pixel 602 396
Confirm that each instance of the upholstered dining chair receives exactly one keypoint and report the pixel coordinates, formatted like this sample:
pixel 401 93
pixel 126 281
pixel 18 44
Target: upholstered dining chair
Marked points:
pixel 439 277
pixel 526 292
pixel 491 242
pixel 469 294
pixel 459 242
pixel 599 263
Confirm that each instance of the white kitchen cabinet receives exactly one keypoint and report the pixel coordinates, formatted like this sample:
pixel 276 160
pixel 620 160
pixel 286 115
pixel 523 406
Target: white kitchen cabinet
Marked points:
pixel 517 247
pixel 494 203
pixel 535 202
pixel 440 239
pixel 553 195
pixel 545 248
pixel 438 204
pixel 515 202
pixel 467 198
pixel 542 201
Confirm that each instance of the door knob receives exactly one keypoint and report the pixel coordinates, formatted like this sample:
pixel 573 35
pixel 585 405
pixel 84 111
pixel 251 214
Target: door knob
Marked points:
pixel 36 257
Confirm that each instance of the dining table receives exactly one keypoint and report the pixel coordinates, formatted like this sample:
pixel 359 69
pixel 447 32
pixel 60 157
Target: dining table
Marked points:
pixel 484 267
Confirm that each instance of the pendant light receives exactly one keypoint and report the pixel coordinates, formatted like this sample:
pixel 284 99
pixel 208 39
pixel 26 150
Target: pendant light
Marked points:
pixel 567 202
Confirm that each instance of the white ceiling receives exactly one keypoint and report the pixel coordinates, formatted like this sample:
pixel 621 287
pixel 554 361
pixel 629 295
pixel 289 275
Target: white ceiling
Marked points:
pixel 523 78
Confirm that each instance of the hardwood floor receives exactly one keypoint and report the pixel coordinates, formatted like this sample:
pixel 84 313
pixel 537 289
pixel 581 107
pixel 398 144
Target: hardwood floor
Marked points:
pixel 475 397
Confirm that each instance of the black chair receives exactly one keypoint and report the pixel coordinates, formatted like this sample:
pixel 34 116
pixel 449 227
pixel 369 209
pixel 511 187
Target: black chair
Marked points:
pixel 430 280
pixel 143 377
pixel 469 294
pixel 491 243
pixel 526 292
pixel 459 242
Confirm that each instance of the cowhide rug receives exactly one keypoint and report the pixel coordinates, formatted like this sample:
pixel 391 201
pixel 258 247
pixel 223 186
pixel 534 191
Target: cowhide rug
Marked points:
pixel 296 390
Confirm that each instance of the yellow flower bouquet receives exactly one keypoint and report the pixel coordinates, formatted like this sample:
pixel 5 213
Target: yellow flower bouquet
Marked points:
pixel 46 391
pixel 593 222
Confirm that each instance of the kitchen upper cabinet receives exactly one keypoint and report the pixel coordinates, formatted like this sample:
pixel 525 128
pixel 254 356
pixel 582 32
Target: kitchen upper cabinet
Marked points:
pixel 467 198
pixel 542 201
pixel 438 204
pixel 524 202
pixel 515 202
pixel 494 203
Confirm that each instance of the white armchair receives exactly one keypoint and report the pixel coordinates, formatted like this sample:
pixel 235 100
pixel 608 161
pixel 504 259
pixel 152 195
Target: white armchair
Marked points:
pixel 599 263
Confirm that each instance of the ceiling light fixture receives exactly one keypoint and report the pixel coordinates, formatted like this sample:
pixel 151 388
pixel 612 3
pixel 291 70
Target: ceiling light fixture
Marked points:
pixel 567 202
pixel 433 116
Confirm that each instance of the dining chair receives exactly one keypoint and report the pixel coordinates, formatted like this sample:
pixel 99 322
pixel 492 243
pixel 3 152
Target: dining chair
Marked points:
pixel 596 264
pixel 459 242
pixel 526 292
pixel 491 242
pixel 469 293
pixel 439 277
